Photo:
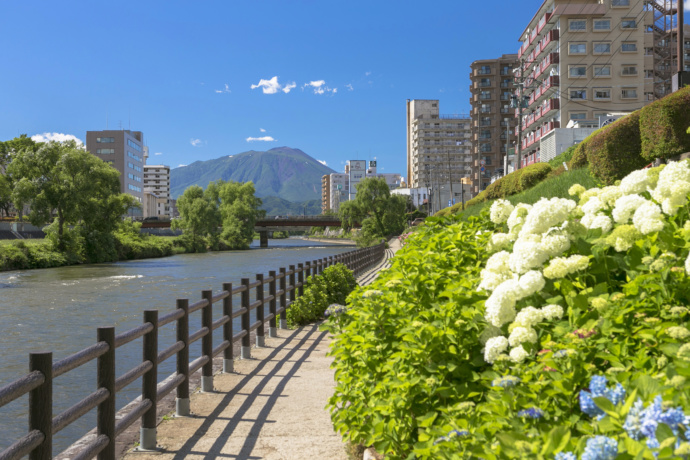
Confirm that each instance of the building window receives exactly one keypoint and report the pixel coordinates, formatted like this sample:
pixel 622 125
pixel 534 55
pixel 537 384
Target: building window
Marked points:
pixel 484 95
pixel 485 70
pixel 628 23
pixel 485 121
pixel 577 71
pixel 602 94
pixel 578 115
pixel 619 3
pixel 506 69
pixel 577 25
pixel 602 25
pixel 602 48
pixel 629 93
pixel 485 148
pixel 134 188
pixel 105 140
pixel 485 108
pixel 629 70
pixel 485 82
pixel 578 94
pixel 629 47
pixel 133 156
pixel 134 145
pixel 577 48
pixel 602 71
pixel 485 134
pixel 105 151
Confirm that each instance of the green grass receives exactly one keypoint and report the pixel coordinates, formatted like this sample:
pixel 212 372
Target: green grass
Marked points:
pixel 554 187
pixel 30 242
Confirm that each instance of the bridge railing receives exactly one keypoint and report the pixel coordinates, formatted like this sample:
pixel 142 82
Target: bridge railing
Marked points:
pixel 284 287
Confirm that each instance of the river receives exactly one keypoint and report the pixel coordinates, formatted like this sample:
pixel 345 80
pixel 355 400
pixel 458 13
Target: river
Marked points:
pixel 59 309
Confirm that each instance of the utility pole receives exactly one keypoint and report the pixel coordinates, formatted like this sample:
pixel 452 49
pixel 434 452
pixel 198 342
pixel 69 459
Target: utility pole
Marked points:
pixel 450 179
pixel 680 39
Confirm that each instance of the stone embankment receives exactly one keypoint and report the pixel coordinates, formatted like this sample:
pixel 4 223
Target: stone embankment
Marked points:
pixel 271 407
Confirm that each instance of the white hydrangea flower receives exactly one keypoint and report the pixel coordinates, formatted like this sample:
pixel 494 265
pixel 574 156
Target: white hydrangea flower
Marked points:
pixel 626 206
pixel 592 206
pixel 500 241
pixel 673 186
pixel 588 194
pixel 498 262
pixel 635 182
pixel 528 317
pixel 521 335
pixel 518 354
pixel 562 266
pixel 687 265
pixel 518 216
pixel 500 306
pixel 527 254
pixel 546 214
pixel 552 312
pixel 531 282
pixel 576 189
pixel 496 272
pixel 495 346
pixel 677 199
pixel 609 195
pixel 500 211
pixel 602 221
pixel 555 243
pixel 647 218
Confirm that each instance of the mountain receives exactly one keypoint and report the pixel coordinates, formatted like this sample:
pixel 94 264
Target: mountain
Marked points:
pixel 275 206
pixel 284 172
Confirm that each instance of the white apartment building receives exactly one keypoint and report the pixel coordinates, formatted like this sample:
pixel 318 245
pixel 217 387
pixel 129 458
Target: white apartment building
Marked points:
pixel 339 187
pixel 581 61
pixel 157 182
pixel 439 147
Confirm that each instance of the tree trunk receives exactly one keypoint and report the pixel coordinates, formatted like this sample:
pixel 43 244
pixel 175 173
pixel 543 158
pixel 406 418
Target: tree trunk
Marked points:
pixel 61 225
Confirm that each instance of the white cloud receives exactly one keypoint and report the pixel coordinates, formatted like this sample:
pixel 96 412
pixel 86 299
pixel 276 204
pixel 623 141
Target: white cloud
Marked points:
pixel 262 130
pixel 367 73
pixel 261 139
pixel 349 87
pixel 322 162
pixel 272 86
pixel 158 153
pixel 195 142
pixel 181 166
pixel 224 90
pixel 58 137
pixel 320 87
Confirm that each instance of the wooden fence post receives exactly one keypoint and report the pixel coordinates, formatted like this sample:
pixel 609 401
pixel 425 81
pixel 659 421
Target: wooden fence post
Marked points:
pixel 260 334
pixel 182 408
pixel 106 379
pixel 272 329
pixel 149 383
pixel 300 280
pixel 207 342
pixel 283 299
pixel 317 269
pixel 41 405
pixel 245 351
pixel 228 356
pixel 308 271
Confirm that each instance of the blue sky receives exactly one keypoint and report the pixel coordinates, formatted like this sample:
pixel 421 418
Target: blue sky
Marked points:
pixel 183 72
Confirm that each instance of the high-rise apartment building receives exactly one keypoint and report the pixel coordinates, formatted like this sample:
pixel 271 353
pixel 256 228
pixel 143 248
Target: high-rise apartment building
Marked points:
pixel 580 62
pixel 491 87
pixel 439 151
pixel 157 182
pixel 126 152
pixel 339 187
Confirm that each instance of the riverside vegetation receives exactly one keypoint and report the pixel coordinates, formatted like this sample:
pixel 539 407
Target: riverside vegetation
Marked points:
pixel 75 197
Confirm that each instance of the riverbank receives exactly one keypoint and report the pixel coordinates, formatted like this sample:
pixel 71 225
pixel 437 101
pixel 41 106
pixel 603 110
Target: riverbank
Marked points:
pixel 331 240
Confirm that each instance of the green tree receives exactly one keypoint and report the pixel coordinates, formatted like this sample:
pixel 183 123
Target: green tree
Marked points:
pixel 199 216
pixel 380 213
pixel 239 209
pixel 7 151
pixel 64 184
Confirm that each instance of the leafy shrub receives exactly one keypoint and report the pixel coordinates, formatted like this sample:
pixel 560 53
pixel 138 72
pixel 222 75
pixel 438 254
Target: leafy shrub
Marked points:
pixel 332 286
pixel 614 151
pixel 663 126
pixel 513 183
pixel 579 158
pixel 13 257
pixel 532 175
pixel 563 157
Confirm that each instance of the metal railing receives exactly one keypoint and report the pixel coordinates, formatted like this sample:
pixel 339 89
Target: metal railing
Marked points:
pixel 284 287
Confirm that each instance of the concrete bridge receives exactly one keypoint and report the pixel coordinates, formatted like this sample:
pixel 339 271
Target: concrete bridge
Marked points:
pixel 292 223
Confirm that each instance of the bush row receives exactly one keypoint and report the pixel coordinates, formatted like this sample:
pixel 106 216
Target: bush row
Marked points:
pixel 513 183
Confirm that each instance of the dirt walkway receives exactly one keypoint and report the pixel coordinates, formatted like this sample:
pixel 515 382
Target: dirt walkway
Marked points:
pixel 271 407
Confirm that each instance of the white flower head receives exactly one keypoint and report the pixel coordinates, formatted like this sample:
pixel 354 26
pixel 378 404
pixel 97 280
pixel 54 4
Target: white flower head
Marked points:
pixel 500 211
pixel 531 282
pixel 500 306
pixel 560 267
pixel 518 354
pixel 635 182
pixel 647 218
pixel 625 207
pixel 521 335
pixel 527 254
pixel 528 317
pixel 546 214
pixel 552 312
pixel 494 347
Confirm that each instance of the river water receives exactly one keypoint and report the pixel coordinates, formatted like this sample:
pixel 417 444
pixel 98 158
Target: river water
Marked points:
pixel 59 309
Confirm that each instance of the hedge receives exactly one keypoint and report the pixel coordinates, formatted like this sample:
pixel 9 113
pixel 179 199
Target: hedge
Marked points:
pixel 663 126
pixel 613 152
pixel 513 183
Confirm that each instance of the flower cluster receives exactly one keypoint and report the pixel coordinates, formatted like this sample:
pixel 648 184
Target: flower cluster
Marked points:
pixel 532 412
pixel 500 211
pixel 451 435
pixel 335 310
pixel 642 422
pixel 507 381
pixel 598 388
pixel 597 448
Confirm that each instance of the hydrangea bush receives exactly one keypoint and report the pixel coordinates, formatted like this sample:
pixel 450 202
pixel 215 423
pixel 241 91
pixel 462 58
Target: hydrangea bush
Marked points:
pixel 552 330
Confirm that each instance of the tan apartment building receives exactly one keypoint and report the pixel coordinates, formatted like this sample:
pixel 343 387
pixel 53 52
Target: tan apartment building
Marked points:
pixel 126 152
pixel 580 62
pixel 157 182
pixel 491 89
pixel 439 150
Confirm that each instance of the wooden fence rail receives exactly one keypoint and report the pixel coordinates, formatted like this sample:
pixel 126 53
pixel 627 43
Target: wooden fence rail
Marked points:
pixel 283 289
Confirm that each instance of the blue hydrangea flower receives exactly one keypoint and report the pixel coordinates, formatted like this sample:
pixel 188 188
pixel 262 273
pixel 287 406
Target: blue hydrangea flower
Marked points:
pixel 600 448
pixel 651 418
pixel 508 381
pixel 588 406
pixel 597 385
pixel 532 412
pixel 633 423
pixel 598 388
pixel 451 435
pixel 565 456
pixel 673 418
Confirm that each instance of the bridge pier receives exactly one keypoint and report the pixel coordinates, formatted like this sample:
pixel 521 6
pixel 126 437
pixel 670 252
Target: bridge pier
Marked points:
pixel 263 238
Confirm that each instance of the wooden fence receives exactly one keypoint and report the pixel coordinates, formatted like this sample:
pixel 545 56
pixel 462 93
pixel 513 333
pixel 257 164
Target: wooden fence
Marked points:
pixel 284 286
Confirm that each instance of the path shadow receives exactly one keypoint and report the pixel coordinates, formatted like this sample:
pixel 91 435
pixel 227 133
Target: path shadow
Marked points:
pixel 254 396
